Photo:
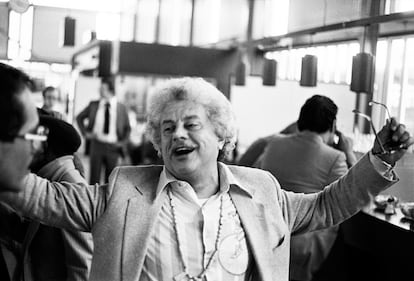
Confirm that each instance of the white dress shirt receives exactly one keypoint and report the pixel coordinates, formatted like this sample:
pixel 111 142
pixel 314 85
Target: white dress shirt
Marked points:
pixel 98 127
pixel 197 224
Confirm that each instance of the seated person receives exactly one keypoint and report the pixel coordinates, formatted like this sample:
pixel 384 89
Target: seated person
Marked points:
pixel 47 253
pixel 50 102
pixel 306 162
pixel 252 154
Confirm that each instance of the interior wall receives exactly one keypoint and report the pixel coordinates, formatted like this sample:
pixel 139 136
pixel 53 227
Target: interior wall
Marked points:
pixel 4 23
pixel 48 29
pixel 262 110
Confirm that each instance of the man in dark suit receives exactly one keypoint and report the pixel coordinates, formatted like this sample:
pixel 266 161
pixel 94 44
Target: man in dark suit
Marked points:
pixel 105 125
pixel 306 162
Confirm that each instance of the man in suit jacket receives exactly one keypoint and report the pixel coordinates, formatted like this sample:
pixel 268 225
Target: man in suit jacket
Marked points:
pixel 195 218
pixel 306 162
pixel 105 126
pixel 251 157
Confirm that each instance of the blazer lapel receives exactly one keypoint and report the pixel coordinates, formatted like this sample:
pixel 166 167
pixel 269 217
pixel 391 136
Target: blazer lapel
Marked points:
pixel 141 215
pixel 252 218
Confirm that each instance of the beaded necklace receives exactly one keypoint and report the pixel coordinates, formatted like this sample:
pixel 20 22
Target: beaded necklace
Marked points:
pixel 200 276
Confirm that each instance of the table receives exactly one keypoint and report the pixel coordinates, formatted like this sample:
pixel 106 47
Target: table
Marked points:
pixel 372 246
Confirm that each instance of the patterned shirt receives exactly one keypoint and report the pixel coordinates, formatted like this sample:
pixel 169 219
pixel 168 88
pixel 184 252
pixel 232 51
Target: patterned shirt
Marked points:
pixel 197 226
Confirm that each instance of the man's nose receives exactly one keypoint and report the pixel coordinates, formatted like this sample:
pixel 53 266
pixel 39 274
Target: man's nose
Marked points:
pixel 180 132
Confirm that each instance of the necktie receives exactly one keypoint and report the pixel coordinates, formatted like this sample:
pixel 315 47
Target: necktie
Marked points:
pixel 106 120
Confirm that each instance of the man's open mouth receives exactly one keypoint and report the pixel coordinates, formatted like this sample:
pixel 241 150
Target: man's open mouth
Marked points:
pixel 184 150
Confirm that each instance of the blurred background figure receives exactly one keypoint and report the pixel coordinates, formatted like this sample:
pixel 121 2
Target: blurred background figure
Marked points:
pixel 104 123
pixel 305 162
pixel 35 252
pixel 252 155
pixel 51 102
pixel 140 149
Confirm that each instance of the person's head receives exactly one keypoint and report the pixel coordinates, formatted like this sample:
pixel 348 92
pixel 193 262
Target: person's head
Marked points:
pixel 107 89
pixel 50 97
pixel 18 124
pixel 318 115
pixel 191 124
pixel 63 140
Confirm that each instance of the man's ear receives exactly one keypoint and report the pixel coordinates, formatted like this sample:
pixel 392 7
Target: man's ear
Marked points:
pixel 333 129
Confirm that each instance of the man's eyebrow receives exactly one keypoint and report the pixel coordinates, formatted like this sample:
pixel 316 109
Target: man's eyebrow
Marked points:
pixel 167 121
pixel 191 117
pixel 186 118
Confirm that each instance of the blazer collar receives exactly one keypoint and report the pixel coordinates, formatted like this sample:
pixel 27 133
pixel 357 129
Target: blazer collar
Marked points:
pixel 227 180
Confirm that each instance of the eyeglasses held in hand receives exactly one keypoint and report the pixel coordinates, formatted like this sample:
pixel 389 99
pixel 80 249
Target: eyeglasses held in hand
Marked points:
pixel 371 103
pixel 36 138
pixel 377 139
pixel 383 151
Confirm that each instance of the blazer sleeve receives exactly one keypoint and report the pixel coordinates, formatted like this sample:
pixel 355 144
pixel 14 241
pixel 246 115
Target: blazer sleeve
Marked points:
pixel 335 203
pixel 73 206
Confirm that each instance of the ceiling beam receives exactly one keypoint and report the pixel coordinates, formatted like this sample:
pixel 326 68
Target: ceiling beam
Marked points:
pixel 405 16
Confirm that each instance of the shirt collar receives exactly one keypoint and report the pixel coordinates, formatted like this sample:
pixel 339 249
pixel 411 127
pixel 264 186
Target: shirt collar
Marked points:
pixel 227 179
pixel 112 101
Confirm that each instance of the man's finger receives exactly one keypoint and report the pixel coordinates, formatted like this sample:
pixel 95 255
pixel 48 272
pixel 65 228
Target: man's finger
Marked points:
pixel 404 137
pixel 399 131
pixel 393 124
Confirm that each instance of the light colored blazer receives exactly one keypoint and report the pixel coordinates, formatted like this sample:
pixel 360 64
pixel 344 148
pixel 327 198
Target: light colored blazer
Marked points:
pixel 55 254
pixel 122 214
pixel 302 162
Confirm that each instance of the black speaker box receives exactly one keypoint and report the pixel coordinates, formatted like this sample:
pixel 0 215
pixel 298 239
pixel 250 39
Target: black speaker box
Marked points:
pixel 309 72
pixel 68 38
pixel 240 74
pixel 269 74
pixel 362 73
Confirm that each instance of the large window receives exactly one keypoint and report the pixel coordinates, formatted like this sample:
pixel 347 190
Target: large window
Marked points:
pixel 397 6
pixel 20 35
pixel 397 91
pixel 175 20
pixel 334 62
pixel 270 18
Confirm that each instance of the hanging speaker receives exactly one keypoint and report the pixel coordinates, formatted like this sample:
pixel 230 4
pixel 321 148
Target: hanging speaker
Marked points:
pixel 240 74
pixel 362 73
pixel 68 32
pixel 309 72
pixel 269 74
